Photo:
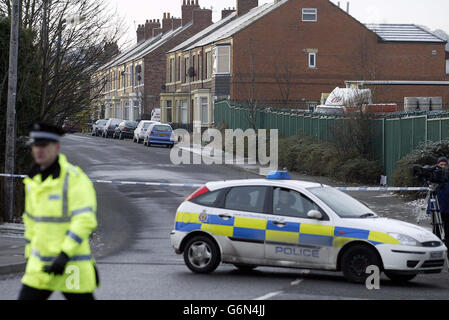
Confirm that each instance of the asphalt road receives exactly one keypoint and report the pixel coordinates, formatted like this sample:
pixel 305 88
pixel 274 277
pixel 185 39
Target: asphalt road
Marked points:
pixel 132 245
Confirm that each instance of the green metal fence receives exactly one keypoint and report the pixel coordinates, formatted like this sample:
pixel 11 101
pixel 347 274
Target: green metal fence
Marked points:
pixel 394 136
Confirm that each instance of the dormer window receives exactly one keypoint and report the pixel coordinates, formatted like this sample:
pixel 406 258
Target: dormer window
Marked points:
pixel 309 15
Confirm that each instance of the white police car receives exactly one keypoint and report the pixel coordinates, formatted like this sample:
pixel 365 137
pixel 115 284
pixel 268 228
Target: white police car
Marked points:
pixel 286 223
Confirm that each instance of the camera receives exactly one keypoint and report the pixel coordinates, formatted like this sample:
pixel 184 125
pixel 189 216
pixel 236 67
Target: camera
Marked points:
pixel 432 174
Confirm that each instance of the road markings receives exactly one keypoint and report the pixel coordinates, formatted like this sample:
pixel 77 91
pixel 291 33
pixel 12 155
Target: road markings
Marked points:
pixel 269 295
pixel 276 293
pixel 296 282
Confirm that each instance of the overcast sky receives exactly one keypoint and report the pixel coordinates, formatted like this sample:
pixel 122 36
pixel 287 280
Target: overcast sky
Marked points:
pixel 432 13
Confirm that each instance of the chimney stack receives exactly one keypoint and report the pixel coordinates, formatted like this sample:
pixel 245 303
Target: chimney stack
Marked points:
pixel 167 23
pixel 150 25
pixel 244 6
pixel 140 32
pixel 226 12
pixel 202 17
pixel 187 10
pixel 347 8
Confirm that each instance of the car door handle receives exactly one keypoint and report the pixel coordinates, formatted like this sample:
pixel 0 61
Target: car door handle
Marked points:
pixel 225 216
pixel 279 223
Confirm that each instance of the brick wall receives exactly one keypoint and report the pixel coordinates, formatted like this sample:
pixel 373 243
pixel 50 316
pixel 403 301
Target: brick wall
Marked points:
pixel 156 63
pixel 280 42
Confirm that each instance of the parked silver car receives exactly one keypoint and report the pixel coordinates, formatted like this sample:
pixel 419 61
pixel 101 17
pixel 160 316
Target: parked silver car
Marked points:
pixel 97 127
pixel 141 130
pixel 109 127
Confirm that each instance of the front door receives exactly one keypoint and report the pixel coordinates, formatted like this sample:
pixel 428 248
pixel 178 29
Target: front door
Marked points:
pixel 244 209
pixel 291 236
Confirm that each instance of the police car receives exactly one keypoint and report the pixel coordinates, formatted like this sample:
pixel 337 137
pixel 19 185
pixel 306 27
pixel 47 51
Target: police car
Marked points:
pixel 286 223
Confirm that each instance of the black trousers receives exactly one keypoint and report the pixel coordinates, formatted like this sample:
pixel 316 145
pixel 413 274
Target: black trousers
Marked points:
pixel 28 293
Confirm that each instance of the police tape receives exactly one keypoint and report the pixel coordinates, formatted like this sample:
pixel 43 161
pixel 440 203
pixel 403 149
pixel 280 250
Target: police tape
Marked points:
pixel 193 185
pixel 116 182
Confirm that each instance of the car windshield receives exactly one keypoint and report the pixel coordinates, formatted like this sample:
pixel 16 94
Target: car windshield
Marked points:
pixel 131 124
pixel 146 125
pixel 342 204
pixel 101 122
pixel 162 128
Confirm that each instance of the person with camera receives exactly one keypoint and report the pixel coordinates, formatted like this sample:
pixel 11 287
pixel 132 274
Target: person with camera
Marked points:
pixel 442 192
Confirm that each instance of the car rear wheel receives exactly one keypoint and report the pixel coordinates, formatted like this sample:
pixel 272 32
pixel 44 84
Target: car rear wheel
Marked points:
pixel 399 278
pixel 356 260
pixel 201 254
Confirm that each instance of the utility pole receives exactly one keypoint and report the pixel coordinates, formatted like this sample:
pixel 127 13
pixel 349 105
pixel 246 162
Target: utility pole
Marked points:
pixel 10 150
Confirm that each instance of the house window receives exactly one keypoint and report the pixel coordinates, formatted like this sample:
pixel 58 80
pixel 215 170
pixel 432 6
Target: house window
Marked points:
pixel 200 66
pixel 204 110
pixel 194 68
pixel 118 111
pixel 447 66
pixel 178 67
pixel 186 69
pixel 208 65
pixel 309 15
pixel 223 59
pixel 172 70
pixel 126 115
pixel 131 76
pixel 184 111
pixel 169 111
pixel 312 60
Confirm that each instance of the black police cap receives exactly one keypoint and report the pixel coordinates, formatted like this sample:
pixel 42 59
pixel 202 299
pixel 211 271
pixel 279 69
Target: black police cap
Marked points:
pixel 43 133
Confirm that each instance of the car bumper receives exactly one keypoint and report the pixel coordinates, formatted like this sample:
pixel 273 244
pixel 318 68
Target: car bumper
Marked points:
pixel 176 238
pixel 409 259
pixel 161 141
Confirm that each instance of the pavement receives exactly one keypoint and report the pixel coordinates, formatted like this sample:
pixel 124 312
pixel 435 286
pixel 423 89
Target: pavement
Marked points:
pixel 12 247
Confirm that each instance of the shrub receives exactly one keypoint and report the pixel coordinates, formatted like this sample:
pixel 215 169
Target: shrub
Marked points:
pixel 310 156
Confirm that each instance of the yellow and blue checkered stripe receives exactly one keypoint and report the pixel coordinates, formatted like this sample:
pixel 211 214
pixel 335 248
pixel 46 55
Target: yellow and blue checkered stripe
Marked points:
pixel 261 230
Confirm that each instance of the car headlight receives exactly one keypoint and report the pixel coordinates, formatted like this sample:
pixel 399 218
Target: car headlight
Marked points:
pixel 405 240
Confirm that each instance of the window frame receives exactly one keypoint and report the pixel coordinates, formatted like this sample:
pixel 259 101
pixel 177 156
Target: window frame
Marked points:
pixel 314 55
pixel 309 13
pixel 202 106
pixel 217 60
pixel 325 216
pixel 266 200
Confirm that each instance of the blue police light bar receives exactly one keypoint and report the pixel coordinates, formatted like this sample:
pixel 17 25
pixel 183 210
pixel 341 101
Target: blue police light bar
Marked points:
pixel 279 175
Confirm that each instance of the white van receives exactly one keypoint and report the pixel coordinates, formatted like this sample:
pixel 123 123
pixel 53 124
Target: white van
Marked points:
pixel 156 114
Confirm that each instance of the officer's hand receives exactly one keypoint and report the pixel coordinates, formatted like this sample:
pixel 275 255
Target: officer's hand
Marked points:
pixel 58 265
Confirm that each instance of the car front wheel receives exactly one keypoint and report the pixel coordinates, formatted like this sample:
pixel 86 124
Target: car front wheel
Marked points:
pixel 201 254
pixel 356 260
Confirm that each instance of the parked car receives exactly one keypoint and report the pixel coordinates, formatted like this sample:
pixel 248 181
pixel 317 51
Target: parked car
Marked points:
pixel 109 127
pixel 160 134
pixel 71 127
pixel 280 222
pixel 141 130
pixel 125 130
pixel 99 124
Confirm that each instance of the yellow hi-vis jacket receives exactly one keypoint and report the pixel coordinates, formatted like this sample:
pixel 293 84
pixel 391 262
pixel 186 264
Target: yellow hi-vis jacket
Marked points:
pixel 60 215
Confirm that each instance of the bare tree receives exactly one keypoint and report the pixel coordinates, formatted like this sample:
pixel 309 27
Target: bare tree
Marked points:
pixel 245 85
pixel 69 52
pixel 283 75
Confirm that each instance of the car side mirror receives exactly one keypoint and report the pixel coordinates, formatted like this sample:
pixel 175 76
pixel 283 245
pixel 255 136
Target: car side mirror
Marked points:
pixel 315 214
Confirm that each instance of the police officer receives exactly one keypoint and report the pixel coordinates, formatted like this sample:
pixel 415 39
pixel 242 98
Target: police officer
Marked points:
pixel 442 192
pixel 60 207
